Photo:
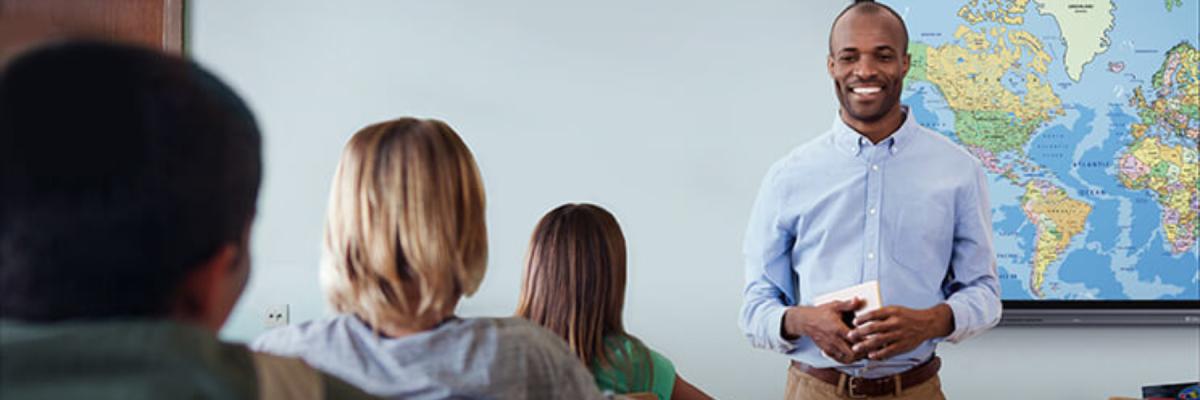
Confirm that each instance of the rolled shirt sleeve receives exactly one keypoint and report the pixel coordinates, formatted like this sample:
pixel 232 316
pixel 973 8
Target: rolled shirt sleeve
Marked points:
pixel 973 289
pixel 769 288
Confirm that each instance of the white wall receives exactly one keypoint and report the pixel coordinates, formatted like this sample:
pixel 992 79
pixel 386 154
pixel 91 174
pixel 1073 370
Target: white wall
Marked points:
pixel 666 112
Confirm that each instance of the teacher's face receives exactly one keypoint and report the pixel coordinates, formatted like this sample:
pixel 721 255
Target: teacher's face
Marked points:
pixel 867 62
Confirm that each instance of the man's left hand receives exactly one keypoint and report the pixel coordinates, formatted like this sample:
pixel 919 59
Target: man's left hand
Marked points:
pixel 894 330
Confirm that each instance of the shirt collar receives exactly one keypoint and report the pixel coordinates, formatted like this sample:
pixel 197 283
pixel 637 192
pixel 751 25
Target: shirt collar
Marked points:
pixel 849 141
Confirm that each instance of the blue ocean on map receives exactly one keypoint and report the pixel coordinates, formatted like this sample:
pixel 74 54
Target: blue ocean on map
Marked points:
pixel 1093 194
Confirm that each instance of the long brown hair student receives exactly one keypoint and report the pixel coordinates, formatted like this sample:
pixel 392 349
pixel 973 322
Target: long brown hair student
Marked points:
pixel 574 285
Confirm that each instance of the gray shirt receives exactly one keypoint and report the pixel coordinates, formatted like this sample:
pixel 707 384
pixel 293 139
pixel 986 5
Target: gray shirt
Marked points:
pixel 476 358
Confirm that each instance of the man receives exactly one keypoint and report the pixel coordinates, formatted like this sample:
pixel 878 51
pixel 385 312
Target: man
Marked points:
pixel 128 182
pixel 877 197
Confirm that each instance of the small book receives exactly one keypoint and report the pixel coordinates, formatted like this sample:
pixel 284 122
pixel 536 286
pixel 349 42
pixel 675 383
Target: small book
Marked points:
pixel 868 291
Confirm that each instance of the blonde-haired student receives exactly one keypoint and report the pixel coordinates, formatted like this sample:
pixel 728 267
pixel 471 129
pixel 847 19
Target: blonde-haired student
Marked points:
pixel 574 285
pixel 405 240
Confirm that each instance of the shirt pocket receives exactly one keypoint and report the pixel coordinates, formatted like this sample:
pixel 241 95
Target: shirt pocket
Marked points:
pixel 923 237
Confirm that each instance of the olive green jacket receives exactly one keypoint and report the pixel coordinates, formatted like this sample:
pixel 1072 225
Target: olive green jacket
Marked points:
pixel 148 359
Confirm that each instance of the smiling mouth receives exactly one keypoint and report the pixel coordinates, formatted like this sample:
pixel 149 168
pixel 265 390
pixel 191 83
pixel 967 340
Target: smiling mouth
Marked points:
pixel 866 90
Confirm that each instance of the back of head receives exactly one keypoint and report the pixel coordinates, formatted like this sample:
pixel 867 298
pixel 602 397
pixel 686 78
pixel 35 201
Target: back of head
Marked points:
pixel 405 235
pixel 574 282
pixel 121 169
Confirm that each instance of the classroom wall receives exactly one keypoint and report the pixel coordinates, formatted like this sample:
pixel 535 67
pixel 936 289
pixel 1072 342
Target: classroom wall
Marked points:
pixel 666 112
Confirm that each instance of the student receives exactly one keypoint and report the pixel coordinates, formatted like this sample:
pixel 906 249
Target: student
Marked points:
pixel 128 181
pixel 404 240
pixel 574 285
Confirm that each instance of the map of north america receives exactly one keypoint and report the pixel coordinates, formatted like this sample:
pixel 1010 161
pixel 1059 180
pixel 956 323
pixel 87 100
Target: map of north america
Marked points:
pixel 1086 116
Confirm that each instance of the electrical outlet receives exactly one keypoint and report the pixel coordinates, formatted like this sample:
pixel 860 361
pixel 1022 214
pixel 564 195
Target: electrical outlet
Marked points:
pixel 276 315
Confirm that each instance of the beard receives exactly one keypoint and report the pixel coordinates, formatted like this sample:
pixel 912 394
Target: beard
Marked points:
pixel 869 112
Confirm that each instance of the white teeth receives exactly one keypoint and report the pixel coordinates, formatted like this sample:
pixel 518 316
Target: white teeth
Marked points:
pixel 866 90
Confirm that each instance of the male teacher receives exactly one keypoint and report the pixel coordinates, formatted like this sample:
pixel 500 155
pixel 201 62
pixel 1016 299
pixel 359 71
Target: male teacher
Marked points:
pixel 877 197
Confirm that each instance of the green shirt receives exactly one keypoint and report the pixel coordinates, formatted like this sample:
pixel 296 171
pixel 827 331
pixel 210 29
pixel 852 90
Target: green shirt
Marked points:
pixel 631 356
pixel 147 359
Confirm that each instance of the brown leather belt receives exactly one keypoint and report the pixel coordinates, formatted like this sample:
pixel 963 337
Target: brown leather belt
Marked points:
pixel 862 387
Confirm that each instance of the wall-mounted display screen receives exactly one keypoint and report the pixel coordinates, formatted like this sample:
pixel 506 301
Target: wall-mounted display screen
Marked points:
pixel 1086 116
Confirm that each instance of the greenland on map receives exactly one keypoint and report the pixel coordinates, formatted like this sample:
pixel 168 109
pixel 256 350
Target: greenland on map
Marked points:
pixel 1086 116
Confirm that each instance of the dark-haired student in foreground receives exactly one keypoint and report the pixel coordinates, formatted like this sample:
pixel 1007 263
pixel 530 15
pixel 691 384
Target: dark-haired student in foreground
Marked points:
pixel 128 181
pixel 875 198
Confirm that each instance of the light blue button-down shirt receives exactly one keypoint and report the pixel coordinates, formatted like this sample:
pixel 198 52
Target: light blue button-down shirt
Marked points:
pixel 911 212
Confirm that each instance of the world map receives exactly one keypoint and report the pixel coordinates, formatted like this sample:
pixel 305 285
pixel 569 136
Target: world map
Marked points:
pixel 1086 116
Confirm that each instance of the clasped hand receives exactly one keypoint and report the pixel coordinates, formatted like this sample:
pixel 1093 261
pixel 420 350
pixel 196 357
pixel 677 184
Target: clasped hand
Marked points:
pixel 877 335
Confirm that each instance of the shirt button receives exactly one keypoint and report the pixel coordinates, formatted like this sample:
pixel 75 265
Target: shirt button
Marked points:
pixel 872 211
pixel 875 167
pixel 870 256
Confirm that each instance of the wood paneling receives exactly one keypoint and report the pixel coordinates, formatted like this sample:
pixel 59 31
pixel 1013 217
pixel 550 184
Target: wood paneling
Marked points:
pixel 152 23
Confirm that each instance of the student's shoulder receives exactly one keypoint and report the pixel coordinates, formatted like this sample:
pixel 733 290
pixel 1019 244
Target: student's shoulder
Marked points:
pixel 291 378
pixel 515 330
pixel 294 339
pixel 546 363
pixel 663 371
pixel 658 360
pixel 518 338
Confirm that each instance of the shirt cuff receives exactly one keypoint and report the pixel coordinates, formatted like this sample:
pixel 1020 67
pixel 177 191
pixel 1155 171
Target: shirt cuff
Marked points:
pixel 961 322
pixel 775 316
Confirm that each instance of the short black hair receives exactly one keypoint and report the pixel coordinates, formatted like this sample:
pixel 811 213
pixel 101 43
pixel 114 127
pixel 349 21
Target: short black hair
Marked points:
pixel 121 169
pixel 869 6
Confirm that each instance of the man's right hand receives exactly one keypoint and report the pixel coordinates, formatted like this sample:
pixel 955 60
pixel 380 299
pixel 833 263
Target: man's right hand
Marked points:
pixel 823 324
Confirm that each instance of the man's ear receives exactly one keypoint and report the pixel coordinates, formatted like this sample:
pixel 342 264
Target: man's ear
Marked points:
pixel 201 299
pixel 829 65
pixel 907 60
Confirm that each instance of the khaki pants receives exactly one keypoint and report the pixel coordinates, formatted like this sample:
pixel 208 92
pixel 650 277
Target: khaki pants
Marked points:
pixel 802 386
